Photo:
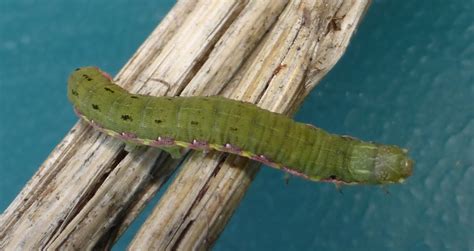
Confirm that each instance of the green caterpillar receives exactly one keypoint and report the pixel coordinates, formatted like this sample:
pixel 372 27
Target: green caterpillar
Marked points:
pixel 217 123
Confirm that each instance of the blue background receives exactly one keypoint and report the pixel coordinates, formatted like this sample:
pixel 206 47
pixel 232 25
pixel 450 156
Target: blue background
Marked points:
pixel 406 79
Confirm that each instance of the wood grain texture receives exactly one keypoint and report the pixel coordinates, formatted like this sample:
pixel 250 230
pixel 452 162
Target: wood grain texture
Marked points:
pixel 271 53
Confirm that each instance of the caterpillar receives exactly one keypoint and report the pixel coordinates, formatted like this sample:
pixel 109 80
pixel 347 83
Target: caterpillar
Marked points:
pixel 236 127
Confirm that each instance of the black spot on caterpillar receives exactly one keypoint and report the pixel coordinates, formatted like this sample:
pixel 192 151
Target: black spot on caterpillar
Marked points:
pixel 86 77
pixel 218 123
pixel 95 107
pixel 126 117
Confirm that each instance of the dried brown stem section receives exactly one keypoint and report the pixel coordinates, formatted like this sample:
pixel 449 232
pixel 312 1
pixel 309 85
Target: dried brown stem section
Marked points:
pixel 88 191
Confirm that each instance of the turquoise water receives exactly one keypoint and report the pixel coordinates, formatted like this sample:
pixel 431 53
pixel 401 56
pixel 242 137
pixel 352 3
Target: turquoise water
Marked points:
pixel 406 79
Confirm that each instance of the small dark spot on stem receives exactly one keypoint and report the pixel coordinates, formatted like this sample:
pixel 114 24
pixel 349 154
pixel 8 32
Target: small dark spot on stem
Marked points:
pixel 126 117
pixel 234 129
pixel 158 121
pixel 108 89
pixel 194 123
pixel 74 92
pixel 135 97
pixel 95 107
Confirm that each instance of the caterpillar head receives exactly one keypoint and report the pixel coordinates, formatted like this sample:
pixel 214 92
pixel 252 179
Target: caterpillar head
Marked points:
pixel 84 81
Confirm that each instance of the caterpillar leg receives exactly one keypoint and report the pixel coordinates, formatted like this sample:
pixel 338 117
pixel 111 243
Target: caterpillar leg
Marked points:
pixel 287 177
pixel 175 151
pixel 205 153
pixel 129 147
pixel 339 187
pixel 385 189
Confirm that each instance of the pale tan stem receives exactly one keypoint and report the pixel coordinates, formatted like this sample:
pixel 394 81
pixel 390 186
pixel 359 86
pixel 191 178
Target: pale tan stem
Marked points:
pixel 88 191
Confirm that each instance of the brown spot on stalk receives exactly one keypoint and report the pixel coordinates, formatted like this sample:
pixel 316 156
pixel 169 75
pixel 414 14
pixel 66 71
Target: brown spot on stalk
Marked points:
pixel 108 89
pixel 194 123
pixel 158 121
pixel 278 68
